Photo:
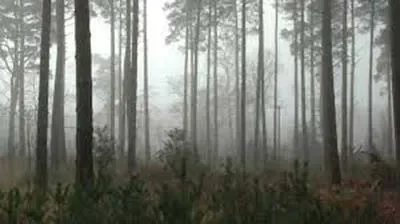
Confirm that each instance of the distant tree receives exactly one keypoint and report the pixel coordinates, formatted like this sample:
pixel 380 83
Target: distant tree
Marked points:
pixel 57 141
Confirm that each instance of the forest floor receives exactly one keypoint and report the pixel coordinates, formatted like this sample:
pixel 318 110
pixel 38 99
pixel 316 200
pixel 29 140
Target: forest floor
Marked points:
pixel 161 195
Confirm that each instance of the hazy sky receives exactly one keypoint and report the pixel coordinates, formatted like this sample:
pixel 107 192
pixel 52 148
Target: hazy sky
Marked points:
pixel 166 61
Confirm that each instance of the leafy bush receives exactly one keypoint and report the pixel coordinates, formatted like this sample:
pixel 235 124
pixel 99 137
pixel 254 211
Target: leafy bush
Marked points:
pixel 178 156
pixel 104 153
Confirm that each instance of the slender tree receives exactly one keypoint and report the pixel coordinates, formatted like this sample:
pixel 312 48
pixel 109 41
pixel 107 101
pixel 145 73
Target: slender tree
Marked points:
pixel 390 109
pixel 296 82
pixel 370 77
pixel 127 70
pixel 344 144
pixel 276 78
pixel 216 128
pixel 208 113
pixel 352 74
pixel 121 98
pixel 303 83
pixel 132 91
pixel 146 86
pixel 186 70
pixel 112 72
pixel 312 78
pixel 57 141
pixel 237 79
pixel 394 6
pixel 243 91
pixel 41 142
pixel 22 84
pixel 258 104
pixel 84 107
pixel 195 79
pixel 328 98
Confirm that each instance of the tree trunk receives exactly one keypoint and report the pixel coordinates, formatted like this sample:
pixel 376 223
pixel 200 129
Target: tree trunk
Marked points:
pixel 57 141
pixel 216 129
pixel 258 86
pixel 390 109
pixel 370 77
pixel 395 62
pixel 237 80
pixel 276 78
pixel 303 85
pixel 344 144
pixel 146 87
pixel 132 91
pixel 14 87
pixel 328 98
pixel 186 72
pixel 194 81
pixel 41 144
pixel 352 74
pixel 296 84
pixel 127 70
pixel 208 113
pixel 121 98
pixel 312 82
pixel 112 71
pixel 84 107
pixel 243 90
pixel 21 66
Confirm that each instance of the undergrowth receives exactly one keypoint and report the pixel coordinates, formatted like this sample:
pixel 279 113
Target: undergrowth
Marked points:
pixel 194 194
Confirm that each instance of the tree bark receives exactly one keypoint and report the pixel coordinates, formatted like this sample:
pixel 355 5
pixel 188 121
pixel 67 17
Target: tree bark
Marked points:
pixel 276 79
pixel 121 98
pixel 194 81
pixel 303 84
pixel 216 127
pixel 296 83
pixel 344 144
pixel 328 98
pixel 258 86
pixel 57 141
pixel 186 72
pixel 41 144
pixel 395 59
pixel 112 71
pixel 208 113
pixel 243 90
pixel 352 74
pixel 132 91
pixel 84 107
pixel 237 79
pixel 146 88
pixel 21 66
pixel 370 76
pixel 312 82
pixel 127 70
